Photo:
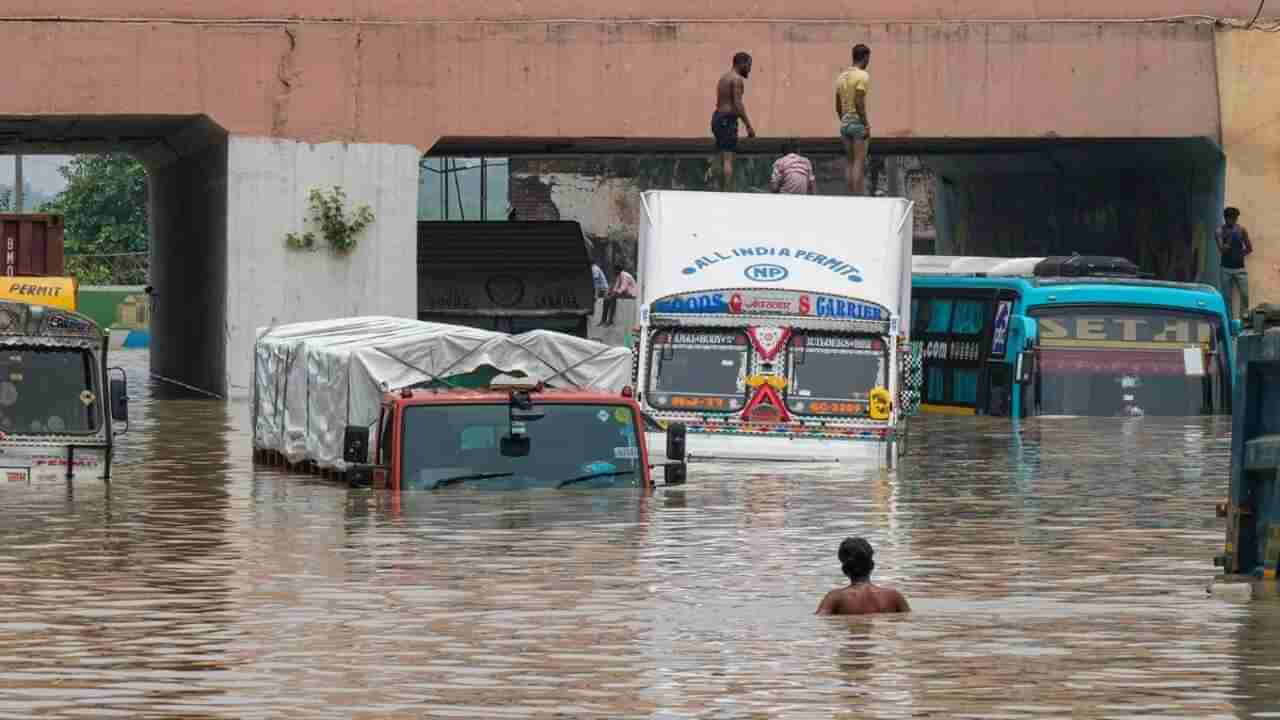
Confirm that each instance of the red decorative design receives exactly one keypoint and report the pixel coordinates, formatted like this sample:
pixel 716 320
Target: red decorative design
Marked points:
pixel 768 340
pixel 735 303
pixel 766 406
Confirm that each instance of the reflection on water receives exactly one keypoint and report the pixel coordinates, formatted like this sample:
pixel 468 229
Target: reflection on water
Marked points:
pixel 1058 570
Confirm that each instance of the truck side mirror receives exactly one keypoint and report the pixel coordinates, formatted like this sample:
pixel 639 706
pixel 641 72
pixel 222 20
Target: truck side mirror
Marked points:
pixel 675 471
pixel 514 445
pixel 119 400
pixel 675 474
pixel 355 444
pixel 1025 366
pixel 359 475
pixel 676 441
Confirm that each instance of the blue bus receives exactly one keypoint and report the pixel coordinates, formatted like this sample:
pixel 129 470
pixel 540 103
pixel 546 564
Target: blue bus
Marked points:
pixel 1067 336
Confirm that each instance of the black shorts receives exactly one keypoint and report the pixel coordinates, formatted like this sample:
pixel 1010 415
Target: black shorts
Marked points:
pixel 724 126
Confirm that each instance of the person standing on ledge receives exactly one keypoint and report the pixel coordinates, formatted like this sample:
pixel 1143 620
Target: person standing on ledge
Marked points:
pixel 729 109
pixel 851 108
pixel 860 597
pixel 1233 246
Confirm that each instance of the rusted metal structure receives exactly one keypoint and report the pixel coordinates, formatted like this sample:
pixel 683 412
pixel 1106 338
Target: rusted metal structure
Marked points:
pixel 32 244
pixel 1252 508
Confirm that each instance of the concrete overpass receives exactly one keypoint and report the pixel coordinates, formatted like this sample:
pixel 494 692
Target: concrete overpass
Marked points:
pixel 239 107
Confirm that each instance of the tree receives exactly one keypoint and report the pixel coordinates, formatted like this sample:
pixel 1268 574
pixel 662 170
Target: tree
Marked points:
pixel 104 213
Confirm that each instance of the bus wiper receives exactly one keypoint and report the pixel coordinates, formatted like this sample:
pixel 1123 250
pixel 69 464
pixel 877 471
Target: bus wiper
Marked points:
pixel 463 478
pixel 593 476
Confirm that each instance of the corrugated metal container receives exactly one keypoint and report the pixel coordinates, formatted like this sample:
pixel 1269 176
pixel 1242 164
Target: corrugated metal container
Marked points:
pixel 31 243
pixel 505 276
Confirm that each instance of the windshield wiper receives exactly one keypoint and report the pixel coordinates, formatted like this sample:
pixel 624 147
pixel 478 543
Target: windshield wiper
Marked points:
pixel 593 476
pixel 463 478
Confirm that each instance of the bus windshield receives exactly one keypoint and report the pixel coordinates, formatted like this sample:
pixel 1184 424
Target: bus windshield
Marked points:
pixel 1123 361
pixel 698 370
pixel 47 391
pixel 834 374
pixel 586 446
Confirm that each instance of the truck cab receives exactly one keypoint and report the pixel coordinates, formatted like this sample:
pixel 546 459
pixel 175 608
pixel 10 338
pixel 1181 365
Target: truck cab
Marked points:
pixel 59 403
pixel 508 437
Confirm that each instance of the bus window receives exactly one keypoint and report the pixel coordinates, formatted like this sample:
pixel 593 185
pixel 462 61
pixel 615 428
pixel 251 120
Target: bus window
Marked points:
pixel 833 374
pixel 954 330
pixel 698 370
pixel 1122 361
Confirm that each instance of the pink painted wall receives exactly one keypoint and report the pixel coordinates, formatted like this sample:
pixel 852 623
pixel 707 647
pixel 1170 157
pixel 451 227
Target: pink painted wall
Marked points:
pixel 848 10
pixel 416 83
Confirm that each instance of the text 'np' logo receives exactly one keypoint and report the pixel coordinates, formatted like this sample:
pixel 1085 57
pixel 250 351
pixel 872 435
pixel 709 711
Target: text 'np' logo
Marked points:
pixel 765 273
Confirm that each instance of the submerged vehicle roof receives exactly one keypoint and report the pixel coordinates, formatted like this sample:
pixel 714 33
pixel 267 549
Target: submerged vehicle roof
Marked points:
pixel 502 394
pixel 54 292
pixel 313 379
pixel 1042 271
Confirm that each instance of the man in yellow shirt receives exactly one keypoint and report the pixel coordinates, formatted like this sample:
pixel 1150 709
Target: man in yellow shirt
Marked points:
pixel 851 108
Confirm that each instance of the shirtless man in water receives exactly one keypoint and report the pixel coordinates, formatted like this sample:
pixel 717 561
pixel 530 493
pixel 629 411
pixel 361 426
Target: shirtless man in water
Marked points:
pixel 860 597
pixel 729 109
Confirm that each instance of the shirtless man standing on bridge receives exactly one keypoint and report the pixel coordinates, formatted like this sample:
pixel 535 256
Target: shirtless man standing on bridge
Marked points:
pixel 860 597
pixel 729 109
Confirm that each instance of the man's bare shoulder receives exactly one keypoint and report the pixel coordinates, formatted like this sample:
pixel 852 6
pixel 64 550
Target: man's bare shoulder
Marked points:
pixel 895 599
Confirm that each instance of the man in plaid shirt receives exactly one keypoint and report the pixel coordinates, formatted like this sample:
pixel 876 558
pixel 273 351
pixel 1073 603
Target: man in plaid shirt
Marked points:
pixel 793 173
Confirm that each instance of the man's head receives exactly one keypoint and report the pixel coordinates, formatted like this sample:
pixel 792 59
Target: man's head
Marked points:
pixel 856 558
pixel 742 64
pixel 861 55
pixel 1231 215
pixel 617 268
pixel 790 146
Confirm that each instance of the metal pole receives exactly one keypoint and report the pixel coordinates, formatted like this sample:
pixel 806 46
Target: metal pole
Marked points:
pixel 18 200
pixel 444 180
pixel 893 169
pixel 484 189
pixel 457 190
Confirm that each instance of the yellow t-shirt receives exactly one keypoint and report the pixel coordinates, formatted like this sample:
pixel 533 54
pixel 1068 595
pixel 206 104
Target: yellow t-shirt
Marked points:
pixel 848 84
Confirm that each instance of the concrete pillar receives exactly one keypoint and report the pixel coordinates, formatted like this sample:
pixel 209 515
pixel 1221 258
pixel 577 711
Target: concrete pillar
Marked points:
pixel 187 181
pixel 268 283
pixel 1248 67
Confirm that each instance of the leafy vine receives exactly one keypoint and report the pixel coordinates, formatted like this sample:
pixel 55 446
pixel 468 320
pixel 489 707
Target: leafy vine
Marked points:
pixel 339 229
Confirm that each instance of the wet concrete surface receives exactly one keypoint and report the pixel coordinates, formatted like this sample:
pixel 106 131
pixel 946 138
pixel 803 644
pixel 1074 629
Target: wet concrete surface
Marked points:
pixel 1059 570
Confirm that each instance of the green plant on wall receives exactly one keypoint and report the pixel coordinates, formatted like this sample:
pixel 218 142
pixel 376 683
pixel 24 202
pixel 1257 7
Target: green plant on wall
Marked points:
pixel 329 215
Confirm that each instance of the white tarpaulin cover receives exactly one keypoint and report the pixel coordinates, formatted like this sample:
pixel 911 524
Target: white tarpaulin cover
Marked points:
pixel 313 379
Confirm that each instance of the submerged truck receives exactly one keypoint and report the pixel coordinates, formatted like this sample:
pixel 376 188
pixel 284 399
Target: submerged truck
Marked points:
pixel 58 400
pixel 776 327
pixel 410 405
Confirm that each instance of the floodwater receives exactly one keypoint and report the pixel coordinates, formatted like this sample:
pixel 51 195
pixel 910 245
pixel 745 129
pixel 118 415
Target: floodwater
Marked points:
pixel 1059 571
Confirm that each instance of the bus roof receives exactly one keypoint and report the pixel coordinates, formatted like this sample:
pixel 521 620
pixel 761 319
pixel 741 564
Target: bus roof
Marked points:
pixel 1039 291
pixel 961 265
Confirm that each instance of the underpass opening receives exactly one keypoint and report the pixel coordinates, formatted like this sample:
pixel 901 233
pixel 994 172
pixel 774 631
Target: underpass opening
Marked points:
pixel 1154 201
pixel 186 162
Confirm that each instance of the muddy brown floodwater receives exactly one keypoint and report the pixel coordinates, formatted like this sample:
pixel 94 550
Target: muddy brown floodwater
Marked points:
pixel 1056 571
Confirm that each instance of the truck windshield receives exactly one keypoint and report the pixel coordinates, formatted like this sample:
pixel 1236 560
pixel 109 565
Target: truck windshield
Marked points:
pixel 698 370
pixel 451 442
pixel 47 391
pixel 834 374
pixel 1121 361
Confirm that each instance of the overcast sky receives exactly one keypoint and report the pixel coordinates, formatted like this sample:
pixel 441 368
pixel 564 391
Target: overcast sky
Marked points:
pixel 40 171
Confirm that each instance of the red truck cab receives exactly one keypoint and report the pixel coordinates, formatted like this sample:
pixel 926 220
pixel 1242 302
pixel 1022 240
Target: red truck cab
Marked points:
pixel 509 437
